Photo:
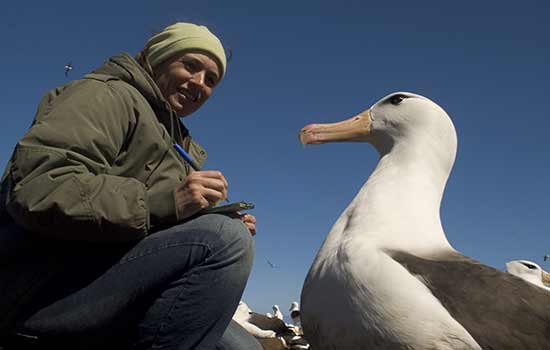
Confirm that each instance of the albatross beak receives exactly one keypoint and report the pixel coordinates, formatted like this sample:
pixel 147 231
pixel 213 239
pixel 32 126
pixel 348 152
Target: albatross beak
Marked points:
pixel 356 129
pixel 545 278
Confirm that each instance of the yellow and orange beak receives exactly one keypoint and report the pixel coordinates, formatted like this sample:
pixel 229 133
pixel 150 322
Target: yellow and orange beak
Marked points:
pixel 354 129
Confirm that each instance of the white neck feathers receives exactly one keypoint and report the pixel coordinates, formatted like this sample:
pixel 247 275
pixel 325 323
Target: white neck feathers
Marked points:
pixel 398 207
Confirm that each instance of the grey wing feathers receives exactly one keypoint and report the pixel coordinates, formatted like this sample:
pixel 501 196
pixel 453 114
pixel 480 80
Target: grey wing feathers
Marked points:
pixel 499 310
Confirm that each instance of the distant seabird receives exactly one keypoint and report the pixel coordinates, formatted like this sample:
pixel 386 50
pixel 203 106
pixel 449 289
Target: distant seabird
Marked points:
pixel 295 316
pixel 68 68
pixel 277 312
pixel 529 271
pixel 295 313
pixel 248 320
pixel 386 277
pixel 272 265
pixel 271 332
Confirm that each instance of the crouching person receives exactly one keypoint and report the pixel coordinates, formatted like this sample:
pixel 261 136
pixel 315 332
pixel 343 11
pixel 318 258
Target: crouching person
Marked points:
pixel 101 244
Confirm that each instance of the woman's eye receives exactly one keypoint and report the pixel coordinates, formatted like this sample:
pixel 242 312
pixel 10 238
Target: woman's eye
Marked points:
pixel 210 82
pixel 211 79
pixel 397 99
pixel 190 65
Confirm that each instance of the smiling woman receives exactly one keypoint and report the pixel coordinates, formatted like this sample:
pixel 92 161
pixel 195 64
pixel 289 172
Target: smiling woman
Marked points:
pixel 187 81
pixel 185 68
pixel 100 241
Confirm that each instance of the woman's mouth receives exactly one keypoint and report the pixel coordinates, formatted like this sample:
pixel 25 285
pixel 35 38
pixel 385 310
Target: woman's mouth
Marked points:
pixel 187 95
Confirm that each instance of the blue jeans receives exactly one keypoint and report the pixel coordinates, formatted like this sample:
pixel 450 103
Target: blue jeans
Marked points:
pixel 175 289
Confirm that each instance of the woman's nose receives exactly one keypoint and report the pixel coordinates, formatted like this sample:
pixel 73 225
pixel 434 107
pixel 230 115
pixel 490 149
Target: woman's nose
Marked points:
pixel 198 78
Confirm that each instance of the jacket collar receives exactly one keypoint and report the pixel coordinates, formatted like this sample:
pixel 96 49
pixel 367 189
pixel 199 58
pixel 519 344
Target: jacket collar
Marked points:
pixel 124 67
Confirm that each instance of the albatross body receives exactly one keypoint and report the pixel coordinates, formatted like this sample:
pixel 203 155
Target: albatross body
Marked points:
pixel 386 276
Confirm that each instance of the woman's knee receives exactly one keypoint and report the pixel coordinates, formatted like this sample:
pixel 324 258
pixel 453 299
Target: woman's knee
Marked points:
pixel 236 238
pixel 227 238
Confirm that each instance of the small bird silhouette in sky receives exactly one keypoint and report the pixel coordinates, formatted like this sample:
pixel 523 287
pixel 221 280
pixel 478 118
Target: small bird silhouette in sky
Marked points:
pixel 68 68
pixel 273 266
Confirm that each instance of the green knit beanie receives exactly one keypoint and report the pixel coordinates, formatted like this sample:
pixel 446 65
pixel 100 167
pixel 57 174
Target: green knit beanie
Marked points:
pixel 181 37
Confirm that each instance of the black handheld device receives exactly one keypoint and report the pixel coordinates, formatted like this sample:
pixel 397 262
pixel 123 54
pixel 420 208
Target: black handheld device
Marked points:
pixel 228 208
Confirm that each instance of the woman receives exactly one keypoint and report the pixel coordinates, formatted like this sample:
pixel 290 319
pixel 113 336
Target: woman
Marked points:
pixel 101 243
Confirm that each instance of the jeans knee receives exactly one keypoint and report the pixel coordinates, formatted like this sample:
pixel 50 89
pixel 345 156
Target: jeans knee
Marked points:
pixel 228 239
pixel 237 235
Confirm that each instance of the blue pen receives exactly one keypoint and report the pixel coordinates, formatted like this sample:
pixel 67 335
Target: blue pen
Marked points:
pixel 187 157
pixel 189 160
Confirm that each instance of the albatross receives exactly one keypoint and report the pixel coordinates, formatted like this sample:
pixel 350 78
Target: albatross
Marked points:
pixel 277 312
pixel 295 313
pixel 529 271
pixel 260 326
pixel 271 332
pixel 386 277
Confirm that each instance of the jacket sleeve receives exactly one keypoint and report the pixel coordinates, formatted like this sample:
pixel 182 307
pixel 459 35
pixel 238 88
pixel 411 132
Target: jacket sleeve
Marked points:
pixel 60 185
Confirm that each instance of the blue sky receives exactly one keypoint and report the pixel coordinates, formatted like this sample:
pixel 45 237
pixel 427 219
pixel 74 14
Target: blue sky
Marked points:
pixel 298 62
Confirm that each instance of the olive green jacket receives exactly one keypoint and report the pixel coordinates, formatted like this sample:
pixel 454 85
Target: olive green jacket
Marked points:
pixel 98 163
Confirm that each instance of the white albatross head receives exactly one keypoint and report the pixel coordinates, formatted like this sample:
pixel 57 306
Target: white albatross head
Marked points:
pixel 295 314
pixel 277 312
pixel 417 144
pixel 529 271
pixel 294 308
pixel 399 120
pixel 242 313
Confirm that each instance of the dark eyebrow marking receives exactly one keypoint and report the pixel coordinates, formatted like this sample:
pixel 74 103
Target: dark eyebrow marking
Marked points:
pixel 530 266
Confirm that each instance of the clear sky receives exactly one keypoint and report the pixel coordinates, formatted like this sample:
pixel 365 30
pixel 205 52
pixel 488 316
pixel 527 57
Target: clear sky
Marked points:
pixel 487 63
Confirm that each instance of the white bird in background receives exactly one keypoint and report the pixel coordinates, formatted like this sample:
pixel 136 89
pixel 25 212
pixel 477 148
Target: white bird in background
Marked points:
pixel 68 68
pixel 546 257
pixel 277 312
pixel 295 316
pixel 295 312
pixel 271 332
pixel 244 316
pixel 386 276
pixel 529 271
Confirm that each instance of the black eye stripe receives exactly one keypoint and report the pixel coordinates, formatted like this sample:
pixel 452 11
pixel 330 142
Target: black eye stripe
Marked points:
pixel 396 99
pixel 529 266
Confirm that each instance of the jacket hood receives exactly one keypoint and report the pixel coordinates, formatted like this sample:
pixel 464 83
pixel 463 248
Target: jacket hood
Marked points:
pixel 124 67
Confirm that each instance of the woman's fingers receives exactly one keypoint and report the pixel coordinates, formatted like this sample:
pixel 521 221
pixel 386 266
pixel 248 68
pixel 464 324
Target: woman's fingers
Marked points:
pixel 250 222
pixel 249 218
pixel 212 188
pixel 213 196
pixel 211 184
pixel 199 190
pixel 208 174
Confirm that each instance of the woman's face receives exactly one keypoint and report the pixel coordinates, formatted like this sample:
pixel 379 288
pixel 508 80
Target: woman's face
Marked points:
pixel 187 80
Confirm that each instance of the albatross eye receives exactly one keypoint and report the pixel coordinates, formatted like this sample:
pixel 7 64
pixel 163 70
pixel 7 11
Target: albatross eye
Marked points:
pixel 396 99
pixel 530 266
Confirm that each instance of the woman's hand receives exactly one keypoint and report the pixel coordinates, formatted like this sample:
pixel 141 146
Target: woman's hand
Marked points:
pixel 250 222
pixel 200 189
pixel 248 219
